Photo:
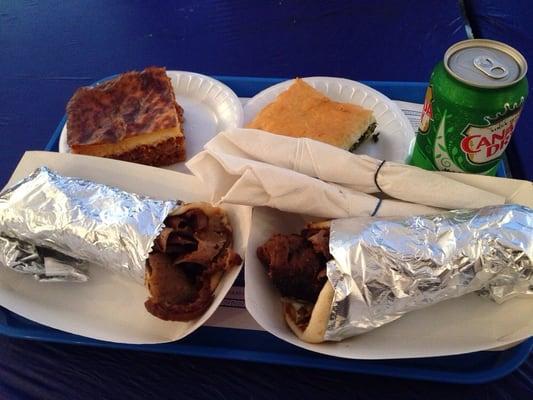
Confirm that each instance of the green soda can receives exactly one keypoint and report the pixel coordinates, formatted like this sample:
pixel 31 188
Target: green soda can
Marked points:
pixel 472 104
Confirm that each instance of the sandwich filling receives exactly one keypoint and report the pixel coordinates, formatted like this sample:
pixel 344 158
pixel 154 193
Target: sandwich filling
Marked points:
pixel 296 265
pixel 365 136
pixel 189 258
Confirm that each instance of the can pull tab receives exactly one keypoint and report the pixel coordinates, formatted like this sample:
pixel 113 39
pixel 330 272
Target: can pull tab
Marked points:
pixel 490 68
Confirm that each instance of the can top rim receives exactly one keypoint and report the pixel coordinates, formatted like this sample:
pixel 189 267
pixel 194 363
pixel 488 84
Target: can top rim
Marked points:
pixel 493 44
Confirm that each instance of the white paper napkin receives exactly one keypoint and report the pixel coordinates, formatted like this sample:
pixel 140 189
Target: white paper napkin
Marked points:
pixel 253 167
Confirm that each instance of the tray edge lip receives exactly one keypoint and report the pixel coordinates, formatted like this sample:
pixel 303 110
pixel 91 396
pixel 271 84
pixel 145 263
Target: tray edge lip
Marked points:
pixel 519 354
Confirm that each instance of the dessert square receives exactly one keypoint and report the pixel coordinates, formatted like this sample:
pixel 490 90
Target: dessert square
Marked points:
pixel 133 117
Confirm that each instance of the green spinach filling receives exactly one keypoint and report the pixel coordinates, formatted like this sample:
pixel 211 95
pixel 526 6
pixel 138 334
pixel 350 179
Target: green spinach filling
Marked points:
pixel 369 132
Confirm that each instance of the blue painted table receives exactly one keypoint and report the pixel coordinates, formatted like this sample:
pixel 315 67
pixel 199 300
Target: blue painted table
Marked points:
pixel 49 48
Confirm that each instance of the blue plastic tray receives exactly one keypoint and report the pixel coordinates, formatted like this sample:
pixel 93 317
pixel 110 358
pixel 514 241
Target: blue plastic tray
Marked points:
pixel 257 346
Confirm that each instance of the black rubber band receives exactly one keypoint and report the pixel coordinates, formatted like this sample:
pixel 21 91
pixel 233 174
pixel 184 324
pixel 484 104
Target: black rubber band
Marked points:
pixel 377 208
pixel 376 177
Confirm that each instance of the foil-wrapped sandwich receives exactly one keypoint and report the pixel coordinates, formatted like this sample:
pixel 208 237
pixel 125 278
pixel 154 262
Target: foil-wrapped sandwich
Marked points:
pixel 345 277
pixel 52 227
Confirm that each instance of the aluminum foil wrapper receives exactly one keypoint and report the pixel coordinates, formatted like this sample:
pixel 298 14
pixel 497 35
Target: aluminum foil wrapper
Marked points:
pixel 54 226
pixel 384 268
pixel 44 264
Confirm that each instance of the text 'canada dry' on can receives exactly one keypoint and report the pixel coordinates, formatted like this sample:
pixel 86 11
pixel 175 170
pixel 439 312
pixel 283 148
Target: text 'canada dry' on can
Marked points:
pixel 472 104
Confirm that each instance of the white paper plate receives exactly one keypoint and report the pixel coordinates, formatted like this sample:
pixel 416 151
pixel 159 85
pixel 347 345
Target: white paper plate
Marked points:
pixel 111 306
pixel 396 138
pixel 463 325
pixel 209 107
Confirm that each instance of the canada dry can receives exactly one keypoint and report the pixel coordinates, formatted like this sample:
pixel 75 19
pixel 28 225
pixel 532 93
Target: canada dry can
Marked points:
pixel 472 104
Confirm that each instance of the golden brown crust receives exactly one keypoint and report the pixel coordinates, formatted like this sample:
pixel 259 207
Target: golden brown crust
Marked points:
pixel 302 111
pixel 129 105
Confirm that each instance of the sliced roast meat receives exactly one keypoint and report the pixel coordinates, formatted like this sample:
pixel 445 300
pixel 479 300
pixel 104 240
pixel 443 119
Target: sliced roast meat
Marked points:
pixel 166 282
pixel 184 310
pixel 170 241
pixel 294 266
pixel 179 224
pixel 189 256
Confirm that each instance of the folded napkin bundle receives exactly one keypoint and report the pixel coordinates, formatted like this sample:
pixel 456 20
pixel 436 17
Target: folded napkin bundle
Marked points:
pixel 256 168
